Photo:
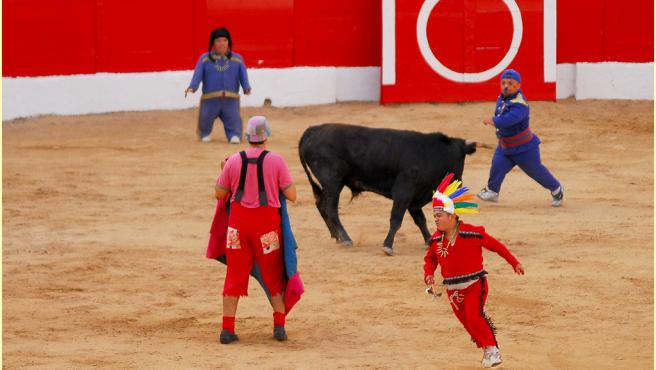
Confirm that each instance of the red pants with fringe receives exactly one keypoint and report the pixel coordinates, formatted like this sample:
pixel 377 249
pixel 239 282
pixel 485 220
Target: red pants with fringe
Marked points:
pixel 468 304
pixel 254 236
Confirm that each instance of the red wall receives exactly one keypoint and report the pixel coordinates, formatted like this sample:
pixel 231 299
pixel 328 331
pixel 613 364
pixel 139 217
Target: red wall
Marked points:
pixel 151 35
pixel 605 30
pixel 87 36
pixel 262 30
pixel 337 33
pixel 43 37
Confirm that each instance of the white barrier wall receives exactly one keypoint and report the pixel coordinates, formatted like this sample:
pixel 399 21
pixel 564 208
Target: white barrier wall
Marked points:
pixel 606 81
pixel 97 93
pixel 358 84
pixel 615 81
pixel 110 92
pixel 290 86
pixel 565 80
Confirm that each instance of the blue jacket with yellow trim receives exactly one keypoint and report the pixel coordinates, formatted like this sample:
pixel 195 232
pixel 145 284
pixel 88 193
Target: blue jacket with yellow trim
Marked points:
pixel 511 117
pixel 220 75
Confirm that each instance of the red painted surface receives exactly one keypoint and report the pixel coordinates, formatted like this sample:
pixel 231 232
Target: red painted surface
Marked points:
pixel 466 37
pixel 629 33
pixel 262 30
pixel 337 33
pixel 605 30
pixel 48 37
pixel 144 35
pixel 488 33
pixel 87 36
pixel 580 37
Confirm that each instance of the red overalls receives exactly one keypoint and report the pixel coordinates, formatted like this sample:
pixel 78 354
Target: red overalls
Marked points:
pixel 254 236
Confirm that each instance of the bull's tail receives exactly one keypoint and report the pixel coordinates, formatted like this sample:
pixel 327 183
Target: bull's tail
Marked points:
pixel 470 147
pixel 316 189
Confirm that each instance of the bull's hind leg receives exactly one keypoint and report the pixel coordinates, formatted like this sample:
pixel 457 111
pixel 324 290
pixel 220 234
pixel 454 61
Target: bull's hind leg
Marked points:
pixel 322 206
pixel 330 176
pixel 420 221
pixel 328 203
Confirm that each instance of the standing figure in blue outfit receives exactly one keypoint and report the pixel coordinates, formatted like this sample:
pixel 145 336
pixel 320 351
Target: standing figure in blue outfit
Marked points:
pixel 517 144
pixel 221 71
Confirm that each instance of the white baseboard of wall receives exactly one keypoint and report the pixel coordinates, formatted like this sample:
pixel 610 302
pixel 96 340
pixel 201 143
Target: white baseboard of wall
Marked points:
pixel 284 87
pixel 608 80
pixel 565 81
pixel 632 81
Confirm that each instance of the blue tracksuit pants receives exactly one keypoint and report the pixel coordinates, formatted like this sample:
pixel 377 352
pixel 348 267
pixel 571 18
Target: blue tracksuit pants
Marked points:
pixel 227 109
pixel 529 161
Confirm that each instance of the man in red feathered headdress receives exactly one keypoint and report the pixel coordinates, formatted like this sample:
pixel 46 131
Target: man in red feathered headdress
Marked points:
pixel 457 248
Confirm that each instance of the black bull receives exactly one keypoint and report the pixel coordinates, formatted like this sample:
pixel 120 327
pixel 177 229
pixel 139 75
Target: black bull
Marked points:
pixel 405 166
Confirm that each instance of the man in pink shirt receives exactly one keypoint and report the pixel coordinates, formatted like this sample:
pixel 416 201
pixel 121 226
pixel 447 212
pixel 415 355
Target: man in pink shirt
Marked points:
pixel 254 234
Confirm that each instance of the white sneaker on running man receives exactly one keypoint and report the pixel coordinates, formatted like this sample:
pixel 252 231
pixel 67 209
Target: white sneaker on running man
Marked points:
pixel 557 199
pixel 491 357
pixel 488 195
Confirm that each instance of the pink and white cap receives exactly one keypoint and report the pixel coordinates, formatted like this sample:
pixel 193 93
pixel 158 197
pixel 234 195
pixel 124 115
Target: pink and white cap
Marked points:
pixel 257 130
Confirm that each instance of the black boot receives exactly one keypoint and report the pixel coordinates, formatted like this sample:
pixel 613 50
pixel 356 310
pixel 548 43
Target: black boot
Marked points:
pixel 279 333
pixel 227 337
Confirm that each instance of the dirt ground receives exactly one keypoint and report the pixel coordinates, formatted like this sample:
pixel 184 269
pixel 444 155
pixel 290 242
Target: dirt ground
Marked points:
pixel 106 218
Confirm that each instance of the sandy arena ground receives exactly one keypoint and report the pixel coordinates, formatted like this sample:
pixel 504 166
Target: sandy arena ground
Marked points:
pixel 106 220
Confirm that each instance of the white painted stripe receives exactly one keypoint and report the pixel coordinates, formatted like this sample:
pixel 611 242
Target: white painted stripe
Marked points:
pixel 566 80
pixel 550 13
pixel 611 80
pixel 358 84
pixel 112 92
pixel 389 42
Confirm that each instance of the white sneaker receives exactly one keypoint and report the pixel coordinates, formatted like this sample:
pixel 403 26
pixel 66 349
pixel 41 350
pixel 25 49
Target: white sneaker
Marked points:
pixel 488 195
pixel 206 139
pixel 557 199
pixel 234 140
pixel 491 357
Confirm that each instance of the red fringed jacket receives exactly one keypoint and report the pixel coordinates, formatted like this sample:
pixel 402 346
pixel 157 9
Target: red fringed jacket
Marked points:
pixel 463 260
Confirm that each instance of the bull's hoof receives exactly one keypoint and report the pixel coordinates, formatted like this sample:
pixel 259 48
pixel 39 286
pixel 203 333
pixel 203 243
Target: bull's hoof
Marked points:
pixel 346 243
pixel 388 251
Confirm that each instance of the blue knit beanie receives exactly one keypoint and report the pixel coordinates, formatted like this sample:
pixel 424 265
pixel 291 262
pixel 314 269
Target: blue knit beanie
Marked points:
pixel 512 74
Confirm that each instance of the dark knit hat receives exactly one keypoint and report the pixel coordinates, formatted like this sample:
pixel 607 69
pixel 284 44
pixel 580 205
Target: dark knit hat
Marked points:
pixel 219 32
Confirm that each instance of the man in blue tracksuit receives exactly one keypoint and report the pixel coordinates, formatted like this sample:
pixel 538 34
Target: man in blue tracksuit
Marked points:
pixel 517 144
pixel 221 71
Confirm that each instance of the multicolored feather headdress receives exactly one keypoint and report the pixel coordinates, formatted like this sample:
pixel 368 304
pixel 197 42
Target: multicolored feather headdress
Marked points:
pixel 452 198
